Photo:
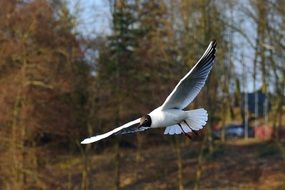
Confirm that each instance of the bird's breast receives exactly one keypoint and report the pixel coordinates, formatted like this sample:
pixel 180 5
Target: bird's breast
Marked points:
pixel 164 118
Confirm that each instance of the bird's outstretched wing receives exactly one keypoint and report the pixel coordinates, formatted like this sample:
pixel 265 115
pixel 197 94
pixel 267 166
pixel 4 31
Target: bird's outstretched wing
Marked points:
pixel 119 130
pixel 191 84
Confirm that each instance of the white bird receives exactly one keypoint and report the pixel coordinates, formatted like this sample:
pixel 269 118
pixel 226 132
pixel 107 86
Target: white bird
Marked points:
pixel 171 114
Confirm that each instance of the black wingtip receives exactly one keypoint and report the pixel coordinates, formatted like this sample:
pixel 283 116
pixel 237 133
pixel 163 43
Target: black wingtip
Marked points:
pixel 214 42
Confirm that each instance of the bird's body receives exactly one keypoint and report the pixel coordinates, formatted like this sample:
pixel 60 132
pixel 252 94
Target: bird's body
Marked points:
pixel 163 118
pixel 171 114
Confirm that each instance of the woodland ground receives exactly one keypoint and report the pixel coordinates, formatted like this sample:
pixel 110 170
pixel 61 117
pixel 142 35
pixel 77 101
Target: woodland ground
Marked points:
pixel 237 164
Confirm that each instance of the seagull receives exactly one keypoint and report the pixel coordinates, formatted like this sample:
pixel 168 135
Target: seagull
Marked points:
pixel 170 114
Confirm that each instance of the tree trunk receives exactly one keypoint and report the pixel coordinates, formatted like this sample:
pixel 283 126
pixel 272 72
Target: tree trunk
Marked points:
pixel 18 135
pixel 85 179
pixel 17 147
pixel 179 163
pixel 138 155
pixel 117 165
pixel 200 164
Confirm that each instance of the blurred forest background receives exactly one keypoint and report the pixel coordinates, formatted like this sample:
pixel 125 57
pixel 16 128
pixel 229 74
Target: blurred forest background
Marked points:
pixel 60 83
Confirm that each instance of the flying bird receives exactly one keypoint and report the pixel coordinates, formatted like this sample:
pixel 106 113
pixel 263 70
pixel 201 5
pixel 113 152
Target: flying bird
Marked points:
pixel 171 114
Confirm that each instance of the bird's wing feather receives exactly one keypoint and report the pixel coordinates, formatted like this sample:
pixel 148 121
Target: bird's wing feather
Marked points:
pixel 191 84
pixel 114 131
pixel 132 129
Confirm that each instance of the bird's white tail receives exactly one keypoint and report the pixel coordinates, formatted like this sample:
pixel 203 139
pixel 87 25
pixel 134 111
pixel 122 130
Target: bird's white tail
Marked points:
pixel 195 121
